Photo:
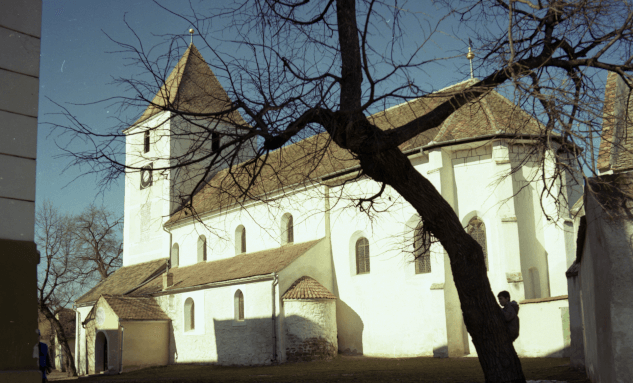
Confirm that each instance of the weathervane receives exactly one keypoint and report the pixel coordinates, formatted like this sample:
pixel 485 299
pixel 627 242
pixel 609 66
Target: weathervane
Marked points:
pixel 470 56
pixel 191 33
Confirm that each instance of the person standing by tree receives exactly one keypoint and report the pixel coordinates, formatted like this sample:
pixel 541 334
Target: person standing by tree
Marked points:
pixel 45 364
pixel 510 311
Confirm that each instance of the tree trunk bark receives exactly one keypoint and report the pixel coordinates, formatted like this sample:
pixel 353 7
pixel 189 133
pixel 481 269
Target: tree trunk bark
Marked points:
pixel 61 338
pixel 482 315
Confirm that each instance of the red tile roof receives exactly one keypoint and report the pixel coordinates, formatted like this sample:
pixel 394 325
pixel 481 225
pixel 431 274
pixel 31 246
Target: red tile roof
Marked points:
pixel 124 279
pixel 240 266
pixel 307 288
pixel 306 161
pixel 135 308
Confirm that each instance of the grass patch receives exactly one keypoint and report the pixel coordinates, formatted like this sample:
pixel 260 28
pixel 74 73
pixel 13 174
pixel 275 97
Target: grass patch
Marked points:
pixel 350 369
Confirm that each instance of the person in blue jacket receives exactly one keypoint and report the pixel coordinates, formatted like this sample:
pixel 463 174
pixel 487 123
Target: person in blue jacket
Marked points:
pixel 45 364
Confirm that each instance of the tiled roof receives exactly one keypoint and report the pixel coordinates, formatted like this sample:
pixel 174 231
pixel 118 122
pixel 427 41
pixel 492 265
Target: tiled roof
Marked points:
pixel 314 157
pixel 240 266
pixel 135 308
pixel 307 288
pixel 616 146
pixel 192 87
pixel 124 279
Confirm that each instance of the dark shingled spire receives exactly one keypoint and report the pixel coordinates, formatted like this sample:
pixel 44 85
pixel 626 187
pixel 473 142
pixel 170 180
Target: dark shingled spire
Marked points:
pixel 192 88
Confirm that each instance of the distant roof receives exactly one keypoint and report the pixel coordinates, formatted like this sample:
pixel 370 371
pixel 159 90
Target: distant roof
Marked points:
pixel 295 164
pixel 192 87
pixel 307 288
pixel 124 279
pixel 135 308
pixel 239 266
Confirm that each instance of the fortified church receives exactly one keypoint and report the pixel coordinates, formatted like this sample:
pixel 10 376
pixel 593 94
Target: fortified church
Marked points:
pixel 308 276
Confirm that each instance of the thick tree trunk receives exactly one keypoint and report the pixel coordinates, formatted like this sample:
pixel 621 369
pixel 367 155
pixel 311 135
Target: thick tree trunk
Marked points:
pixel 61 338
pixel 482 315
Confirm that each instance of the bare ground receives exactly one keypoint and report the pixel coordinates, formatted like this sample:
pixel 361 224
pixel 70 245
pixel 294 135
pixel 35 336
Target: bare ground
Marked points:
pixel 345 369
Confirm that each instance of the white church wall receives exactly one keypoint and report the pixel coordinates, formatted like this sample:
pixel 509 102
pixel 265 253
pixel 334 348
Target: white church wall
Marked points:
pixel 262 225
pixel 145 210
pixel 315 263
pixel 542 329
pixel 224 339
pixel 475 176
pixel 544 244
pixel 399 325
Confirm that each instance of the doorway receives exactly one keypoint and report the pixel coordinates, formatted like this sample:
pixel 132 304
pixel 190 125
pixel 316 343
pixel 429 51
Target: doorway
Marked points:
pixel 101 352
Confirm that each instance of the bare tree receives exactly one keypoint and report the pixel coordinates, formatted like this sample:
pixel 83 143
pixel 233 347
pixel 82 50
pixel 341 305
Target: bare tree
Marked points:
pixel 98 239
pixel 56 273
pixel 320 68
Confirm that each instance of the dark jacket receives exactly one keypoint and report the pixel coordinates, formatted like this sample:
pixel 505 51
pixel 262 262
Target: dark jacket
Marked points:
pixel 45 359
pixel 510 311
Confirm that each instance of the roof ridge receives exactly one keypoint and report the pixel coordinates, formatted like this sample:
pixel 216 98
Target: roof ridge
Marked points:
pixel 421 97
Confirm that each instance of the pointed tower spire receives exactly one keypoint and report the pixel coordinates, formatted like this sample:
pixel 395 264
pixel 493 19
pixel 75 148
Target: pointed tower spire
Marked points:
pixel 191 87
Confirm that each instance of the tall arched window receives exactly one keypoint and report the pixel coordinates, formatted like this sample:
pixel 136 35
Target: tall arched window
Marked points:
pixel 238 302
pixel 202 248
pixel 190 323
pixel 477 230
pixel 175 256
pixel 240 240
pixel 362 256
pixel 287 229
pixel 146 141
pixel 422 251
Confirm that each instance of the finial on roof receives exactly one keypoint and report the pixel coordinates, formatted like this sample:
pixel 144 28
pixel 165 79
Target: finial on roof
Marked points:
pixel 470 56
pixel 191 33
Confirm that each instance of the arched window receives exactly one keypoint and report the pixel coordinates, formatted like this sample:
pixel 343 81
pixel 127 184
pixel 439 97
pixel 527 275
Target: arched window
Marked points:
pixel 421 250
pixel 287 229
pixel 238 303
pixel 477 230
pixel 146 141
pixel 175 256
pixel 202 249
pixel 240 240
pixel 190 323
pixel 362 256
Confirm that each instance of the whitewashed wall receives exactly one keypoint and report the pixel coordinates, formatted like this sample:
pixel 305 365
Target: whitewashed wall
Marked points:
pixel 262 225
pixel 544 329
pixel 222 339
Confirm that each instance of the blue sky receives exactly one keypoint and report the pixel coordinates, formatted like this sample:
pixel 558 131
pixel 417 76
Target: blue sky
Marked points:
pixel 77 67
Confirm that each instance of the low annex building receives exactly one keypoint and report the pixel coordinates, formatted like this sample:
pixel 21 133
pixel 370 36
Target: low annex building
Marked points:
pixel 243 282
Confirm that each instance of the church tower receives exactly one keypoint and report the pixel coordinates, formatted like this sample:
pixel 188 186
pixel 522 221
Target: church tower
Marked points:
pixel 171 150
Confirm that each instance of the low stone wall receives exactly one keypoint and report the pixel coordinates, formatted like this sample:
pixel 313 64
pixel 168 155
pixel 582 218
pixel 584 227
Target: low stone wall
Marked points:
pixel 544 328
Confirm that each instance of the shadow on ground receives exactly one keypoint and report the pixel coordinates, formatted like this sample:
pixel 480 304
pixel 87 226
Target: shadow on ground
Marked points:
pixel 349 369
